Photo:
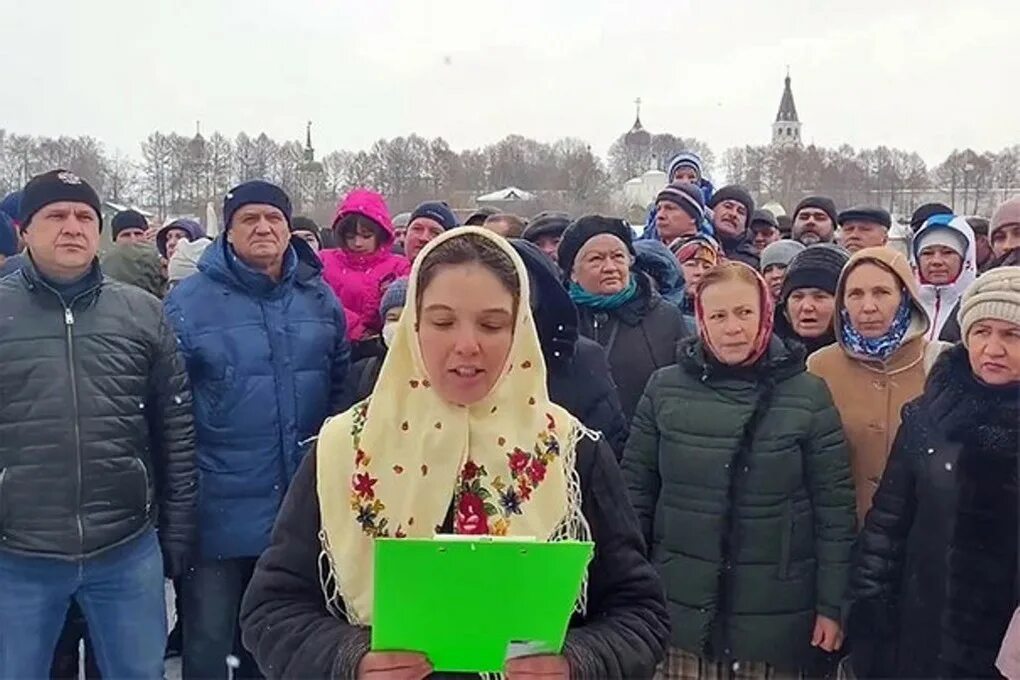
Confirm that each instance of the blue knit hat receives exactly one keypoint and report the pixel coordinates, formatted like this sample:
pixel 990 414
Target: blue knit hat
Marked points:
pixel 395 296
pixel 438 211
pixel 11 204
pixel 685 159
pixel 255 192
pixel 8 236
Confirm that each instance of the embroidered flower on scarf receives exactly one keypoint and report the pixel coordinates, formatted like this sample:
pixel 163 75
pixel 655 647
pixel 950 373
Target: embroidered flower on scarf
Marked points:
pixel 472 519
pixel 363 484
pixel 363 501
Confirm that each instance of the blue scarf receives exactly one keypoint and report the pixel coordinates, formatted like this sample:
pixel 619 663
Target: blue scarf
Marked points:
pixel 583 298
pixel 883 347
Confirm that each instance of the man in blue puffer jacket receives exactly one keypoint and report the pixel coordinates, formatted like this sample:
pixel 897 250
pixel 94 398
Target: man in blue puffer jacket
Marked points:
pixel 265 344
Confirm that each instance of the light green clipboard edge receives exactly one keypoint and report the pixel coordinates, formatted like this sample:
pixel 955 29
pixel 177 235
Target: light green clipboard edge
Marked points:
pixel 463 603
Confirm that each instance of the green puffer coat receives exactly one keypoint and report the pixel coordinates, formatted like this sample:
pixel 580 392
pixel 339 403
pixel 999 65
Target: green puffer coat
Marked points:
pixel 741 481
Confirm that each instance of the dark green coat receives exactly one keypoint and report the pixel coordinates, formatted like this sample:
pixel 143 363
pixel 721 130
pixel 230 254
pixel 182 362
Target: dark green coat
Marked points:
pixel 741 481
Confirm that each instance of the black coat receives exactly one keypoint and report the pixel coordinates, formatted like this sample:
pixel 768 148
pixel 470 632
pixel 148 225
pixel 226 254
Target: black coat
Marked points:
pixel 741 249
pixel 934 579
pixel 639 338
pixel 96 430
pixel 286 626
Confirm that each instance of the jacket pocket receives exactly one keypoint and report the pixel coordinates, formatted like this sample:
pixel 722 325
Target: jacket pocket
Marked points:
pixel 786 539
pixel 140 466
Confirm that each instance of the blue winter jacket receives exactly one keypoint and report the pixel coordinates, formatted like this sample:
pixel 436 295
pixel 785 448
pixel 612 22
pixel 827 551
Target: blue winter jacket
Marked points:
pixel 266 361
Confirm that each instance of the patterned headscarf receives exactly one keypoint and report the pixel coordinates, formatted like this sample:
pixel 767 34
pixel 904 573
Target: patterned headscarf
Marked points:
pixel 765 320
pixel 393 464
pixel 883 347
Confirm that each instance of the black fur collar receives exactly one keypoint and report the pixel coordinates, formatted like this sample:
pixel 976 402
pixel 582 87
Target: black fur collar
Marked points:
pixel 969 411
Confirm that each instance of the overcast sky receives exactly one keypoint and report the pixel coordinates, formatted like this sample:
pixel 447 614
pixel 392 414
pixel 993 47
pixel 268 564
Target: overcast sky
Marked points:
pixel 926 75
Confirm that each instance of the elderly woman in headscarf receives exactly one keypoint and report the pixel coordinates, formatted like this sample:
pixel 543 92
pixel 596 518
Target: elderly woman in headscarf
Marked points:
pixel 880 359
pixel 738 471
pixel 934 582
pixel 617 307
pixel 461 412
pixel 697 256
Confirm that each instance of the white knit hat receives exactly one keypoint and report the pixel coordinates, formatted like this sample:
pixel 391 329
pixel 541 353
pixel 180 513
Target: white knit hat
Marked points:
pixel 995 295
pixel 184 263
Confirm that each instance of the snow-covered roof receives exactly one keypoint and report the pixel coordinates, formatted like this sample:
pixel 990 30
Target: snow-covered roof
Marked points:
pixel 507 194
pixel 119 207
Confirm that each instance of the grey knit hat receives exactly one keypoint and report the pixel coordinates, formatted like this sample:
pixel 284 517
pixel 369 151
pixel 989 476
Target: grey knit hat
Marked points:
pixel 995 295
pixel 395 296
pixel 780 252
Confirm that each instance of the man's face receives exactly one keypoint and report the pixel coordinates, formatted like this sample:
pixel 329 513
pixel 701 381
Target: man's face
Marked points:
pixel 730 218
pixel 260 235
pixel 550 245
pixel 1006 238
pixel 856 235
pixel 309 238
pixel 131 235
pixel 813 225
pixel 939 265
pixel 764 234
pixel 173 237
pixel 419 233
pixel 63 239
pixel 673 222
pixel 774 275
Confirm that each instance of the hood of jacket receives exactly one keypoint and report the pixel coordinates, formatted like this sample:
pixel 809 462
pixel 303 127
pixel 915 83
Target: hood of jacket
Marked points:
pixel 220 263
pixel 555 313
pixel 136 264
pixel 897 263
pixel 782 360
pixel 950 291
pixel 370 204
pixel 655 260
pixel 191 227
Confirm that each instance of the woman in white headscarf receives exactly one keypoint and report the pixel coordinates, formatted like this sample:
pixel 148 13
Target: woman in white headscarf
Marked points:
pixel 459 436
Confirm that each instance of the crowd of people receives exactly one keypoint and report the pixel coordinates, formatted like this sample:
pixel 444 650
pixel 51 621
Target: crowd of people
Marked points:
pixel 793 445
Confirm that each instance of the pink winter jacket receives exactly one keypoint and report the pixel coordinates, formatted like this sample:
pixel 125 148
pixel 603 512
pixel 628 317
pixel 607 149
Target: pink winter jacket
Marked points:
pixel 359 281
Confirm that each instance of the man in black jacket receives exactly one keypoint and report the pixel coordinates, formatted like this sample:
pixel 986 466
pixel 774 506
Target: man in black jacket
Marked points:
pixel 732 209
pixel 96 446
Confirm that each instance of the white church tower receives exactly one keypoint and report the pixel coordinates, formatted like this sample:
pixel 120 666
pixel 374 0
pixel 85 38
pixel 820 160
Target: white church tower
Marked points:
pixel 786 129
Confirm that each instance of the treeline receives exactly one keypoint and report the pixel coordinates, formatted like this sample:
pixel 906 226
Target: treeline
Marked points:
pixel 179 174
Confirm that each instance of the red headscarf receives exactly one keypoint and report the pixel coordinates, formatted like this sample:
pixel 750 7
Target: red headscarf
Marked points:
pixel 765 319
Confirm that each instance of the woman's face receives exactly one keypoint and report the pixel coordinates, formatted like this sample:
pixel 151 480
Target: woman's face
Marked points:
pixel 732 315
pixel 810 312
pixel 695 270
pixel 602 267
pixel 465 330
pixel 871 296
pixel 994 350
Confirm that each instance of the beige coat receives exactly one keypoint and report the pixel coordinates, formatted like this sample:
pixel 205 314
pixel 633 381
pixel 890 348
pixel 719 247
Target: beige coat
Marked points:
pixel 869 394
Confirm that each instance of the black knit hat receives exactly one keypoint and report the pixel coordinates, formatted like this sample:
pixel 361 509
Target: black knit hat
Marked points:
pixel 764 218
pixel 734 192
pixel 863 213
pixel 255 192
pixel 823 203
pixel 52 187
pixel 687 196
pixel 546 223
pixel 926 211
pixel 302 223
pixel 478 217
pixel 585 229
pixel 438 211
pixel 127 219
pixel 816 267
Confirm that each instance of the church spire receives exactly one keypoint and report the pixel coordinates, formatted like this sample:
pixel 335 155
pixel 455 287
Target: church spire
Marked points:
pixel 309 151
pixel 786 128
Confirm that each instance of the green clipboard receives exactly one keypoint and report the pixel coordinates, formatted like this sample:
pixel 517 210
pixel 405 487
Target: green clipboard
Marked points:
pixel 470 604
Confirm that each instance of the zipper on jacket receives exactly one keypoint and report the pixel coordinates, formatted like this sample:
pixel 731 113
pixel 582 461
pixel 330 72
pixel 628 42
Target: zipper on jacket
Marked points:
pixel 935 316
pixel 69 326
